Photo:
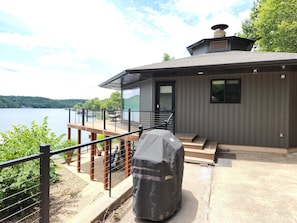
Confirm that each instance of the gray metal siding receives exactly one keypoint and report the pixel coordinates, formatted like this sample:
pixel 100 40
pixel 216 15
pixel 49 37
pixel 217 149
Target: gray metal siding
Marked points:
pixel 258 120
pixel 292 77
pixel 146 96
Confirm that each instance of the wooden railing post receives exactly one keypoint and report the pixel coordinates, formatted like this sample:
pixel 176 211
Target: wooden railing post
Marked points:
pixel 128 159
pixel 110 167
pixel 92 164
pixel 105 164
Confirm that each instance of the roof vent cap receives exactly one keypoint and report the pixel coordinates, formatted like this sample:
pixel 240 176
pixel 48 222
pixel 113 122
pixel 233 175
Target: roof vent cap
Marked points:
pixel 219 30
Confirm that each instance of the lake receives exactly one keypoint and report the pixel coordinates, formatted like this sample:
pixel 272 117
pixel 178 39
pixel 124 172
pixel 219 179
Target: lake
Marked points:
pixel 57 120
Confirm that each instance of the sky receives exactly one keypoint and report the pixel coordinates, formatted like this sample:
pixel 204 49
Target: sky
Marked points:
pixel 63 49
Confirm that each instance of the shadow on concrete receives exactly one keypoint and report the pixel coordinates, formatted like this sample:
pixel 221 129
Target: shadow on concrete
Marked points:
pixel 187 212
pixel 224 158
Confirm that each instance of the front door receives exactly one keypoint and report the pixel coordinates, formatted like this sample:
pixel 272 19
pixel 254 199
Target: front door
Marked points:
pixel 165 100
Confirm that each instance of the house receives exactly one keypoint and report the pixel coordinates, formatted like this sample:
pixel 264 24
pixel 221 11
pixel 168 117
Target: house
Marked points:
pixel 223 91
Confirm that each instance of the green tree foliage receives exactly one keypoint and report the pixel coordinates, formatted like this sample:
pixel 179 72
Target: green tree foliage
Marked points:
pixel 24 141
pixel 167 57
pixel 113 102
pixel 36 102
pixel 273 23
pixel 248 27
pixel 93 104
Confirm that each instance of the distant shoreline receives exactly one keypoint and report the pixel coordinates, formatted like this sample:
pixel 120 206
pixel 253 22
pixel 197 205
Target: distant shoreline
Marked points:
pixel 37 102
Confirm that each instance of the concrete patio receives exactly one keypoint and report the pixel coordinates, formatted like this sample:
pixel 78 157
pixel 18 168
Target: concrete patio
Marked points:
pixel 243 187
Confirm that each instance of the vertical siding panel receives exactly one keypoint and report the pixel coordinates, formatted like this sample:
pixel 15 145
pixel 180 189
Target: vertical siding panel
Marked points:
pixel 292 79
pixel 262 114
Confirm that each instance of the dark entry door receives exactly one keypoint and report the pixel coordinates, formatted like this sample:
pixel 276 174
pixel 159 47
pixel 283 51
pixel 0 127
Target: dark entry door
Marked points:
pixel 165 100
pixel 165 96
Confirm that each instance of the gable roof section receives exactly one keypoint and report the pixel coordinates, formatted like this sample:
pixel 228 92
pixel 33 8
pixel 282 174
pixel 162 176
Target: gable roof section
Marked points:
pixel 208 63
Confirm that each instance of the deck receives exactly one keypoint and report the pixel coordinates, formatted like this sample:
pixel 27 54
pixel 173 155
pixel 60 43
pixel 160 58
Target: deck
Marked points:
pixel 112 128
pixel 197 150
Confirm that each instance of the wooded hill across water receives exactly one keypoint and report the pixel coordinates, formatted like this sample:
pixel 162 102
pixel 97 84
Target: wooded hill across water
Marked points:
pixel 37 102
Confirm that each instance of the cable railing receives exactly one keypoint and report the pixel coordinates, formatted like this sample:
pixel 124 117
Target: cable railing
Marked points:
pixel 126 118
pixel 28 199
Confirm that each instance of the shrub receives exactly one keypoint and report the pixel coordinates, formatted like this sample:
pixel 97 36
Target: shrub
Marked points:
pixel 22 180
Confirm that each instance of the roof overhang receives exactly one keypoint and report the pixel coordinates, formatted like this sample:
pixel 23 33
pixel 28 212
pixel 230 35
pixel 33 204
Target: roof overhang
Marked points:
pixel 206 64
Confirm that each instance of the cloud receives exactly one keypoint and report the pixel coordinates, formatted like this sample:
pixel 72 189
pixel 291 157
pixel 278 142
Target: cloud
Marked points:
pixel 21 79
pixel 82 43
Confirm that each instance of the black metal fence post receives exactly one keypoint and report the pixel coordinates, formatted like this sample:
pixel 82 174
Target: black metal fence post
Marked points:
pixel 140 130
pixel 104 119
pixel 83 117
pixel 44 182
pixel 166 125
pixel 129 120
pixel 69 115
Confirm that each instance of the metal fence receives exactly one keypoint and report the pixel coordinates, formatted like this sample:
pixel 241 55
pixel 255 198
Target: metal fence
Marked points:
pixel 131 118
pixel 31 203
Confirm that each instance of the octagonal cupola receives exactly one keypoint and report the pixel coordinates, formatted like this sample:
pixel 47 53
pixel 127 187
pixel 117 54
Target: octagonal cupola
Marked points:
pixel 220 43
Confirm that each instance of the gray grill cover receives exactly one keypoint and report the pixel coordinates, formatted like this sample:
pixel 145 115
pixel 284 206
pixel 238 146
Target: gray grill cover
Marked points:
pixel 158 166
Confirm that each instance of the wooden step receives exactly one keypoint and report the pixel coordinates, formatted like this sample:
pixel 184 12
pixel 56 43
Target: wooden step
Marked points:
pixel 186 137
pixel 198 143
pixel 189 159
pixel 205 154
pixel 211 146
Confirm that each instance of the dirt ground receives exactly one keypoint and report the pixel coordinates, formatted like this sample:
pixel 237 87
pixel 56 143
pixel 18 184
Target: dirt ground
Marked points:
pixel 65 198
pixel 64 194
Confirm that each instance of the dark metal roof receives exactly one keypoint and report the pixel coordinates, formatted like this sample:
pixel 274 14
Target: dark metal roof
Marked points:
pixel 236 43
pixel 208 63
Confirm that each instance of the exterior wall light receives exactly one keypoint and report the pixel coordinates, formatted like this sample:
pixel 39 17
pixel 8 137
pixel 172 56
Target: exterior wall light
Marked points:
pixel 282 76
pixel 255 71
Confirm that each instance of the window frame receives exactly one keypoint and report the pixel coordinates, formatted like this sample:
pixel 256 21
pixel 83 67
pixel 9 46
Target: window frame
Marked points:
pixel 225 101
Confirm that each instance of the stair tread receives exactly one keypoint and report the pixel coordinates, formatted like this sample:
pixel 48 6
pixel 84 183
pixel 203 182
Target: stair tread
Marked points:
pixel 205 151
pixel 199 142
pixel 211 145
pixel 198 160
pixel 186 137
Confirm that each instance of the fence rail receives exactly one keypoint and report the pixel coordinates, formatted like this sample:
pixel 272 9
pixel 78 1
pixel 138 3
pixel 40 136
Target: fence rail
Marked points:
pixel 132 118
pixel 32 204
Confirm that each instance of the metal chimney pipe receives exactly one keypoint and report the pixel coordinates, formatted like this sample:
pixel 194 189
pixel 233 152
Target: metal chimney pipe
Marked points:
pixel 219 30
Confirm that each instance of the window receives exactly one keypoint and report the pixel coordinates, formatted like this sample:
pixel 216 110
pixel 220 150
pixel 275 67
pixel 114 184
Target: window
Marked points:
pixel 225 91
pixel 131 100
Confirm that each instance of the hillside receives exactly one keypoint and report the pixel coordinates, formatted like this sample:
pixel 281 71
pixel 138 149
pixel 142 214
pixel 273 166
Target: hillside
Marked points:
pixel 36 102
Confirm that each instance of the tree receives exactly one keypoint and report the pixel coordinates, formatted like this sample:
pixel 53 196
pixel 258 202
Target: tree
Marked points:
pixel 113 102
pixel 24 141
pixel 273 23
pixel 248 28
pixel 93 104
pixel 166 57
